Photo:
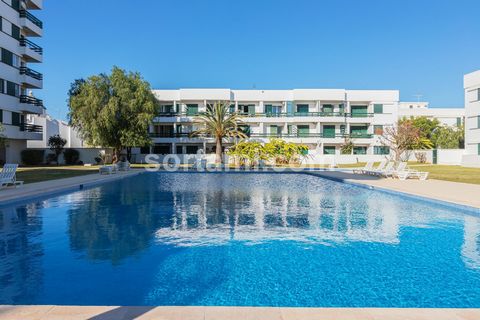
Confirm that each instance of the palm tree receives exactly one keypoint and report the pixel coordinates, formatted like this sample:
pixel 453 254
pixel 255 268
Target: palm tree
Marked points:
pixel 218 122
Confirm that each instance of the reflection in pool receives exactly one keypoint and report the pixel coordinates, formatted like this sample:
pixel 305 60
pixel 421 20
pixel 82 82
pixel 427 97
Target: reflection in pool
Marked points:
pixel 237 239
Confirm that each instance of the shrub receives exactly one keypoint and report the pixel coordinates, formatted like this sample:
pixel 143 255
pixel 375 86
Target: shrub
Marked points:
pixel 51 158
pixel 32 157
pixel 71 156
pixel 421 157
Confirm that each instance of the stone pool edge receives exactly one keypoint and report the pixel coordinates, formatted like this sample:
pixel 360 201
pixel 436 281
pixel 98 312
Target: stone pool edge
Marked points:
pixel 232 313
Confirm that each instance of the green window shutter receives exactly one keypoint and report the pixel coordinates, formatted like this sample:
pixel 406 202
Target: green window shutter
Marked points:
pixel 329 131
pixel 328 150
pixel 302 108
pixel 478 122
pixel 343 128
pixel 459 121
pixel 303 130
pixel 327 108
pixel 192 109
pixel 251 109
pixel 378 108
pixel 359 111
pixel 289 129
pixel 378 129
pixel 478 151
pixel 341 108
pixel 232 108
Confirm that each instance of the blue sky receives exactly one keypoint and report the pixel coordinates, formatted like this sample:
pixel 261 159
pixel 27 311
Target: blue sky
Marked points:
pixel 415 46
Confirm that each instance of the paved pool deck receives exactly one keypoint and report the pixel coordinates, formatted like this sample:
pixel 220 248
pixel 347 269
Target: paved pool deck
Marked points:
pixel 454 192
pixel 230 313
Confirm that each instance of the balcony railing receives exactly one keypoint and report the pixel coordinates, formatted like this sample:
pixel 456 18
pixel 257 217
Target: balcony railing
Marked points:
pixel 31 100
pixel 268 135
pixel 31 17
pixel 275 115
pixel 170 134
pixel 30 128
pixel 31 73
pixel 24 42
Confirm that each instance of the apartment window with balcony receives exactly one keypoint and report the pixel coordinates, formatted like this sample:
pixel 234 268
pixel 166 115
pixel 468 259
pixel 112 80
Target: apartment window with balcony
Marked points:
pixel 329 150
pixel 341 108
pixel 162 149
pixel 192 109
pixel 359 150
pixel 302 108
pixel 275 130
pixel 246 109
pixel 381 150
pixel 378 108
pixel 359 111
pixel 192 149
pixel 327 108
pixel 329 131
pixel 358 131
pixel 378 129
pixel 165 108
pixel 303 130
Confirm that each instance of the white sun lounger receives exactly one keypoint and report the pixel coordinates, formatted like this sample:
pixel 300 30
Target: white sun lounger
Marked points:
pixel 379 168
pixel 404 175
pixel 368 167
pixel 8 176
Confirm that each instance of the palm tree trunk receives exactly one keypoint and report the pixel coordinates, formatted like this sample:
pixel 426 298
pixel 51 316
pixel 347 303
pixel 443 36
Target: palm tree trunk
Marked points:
pixel 218 151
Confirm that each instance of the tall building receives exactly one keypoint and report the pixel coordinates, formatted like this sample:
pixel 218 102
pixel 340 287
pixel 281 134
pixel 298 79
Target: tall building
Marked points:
pixel 471 84
pixel 17 79
pixel 322 119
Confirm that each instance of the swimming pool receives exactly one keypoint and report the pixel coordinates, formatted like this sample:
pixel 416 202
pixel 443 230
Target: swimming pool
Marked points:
pixel 239 240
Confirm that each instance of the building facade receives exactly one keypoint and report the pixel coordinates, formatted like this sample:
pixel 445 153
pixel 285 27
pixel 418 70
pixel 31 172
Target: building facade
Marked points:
pixel 322 119
pixel 453 117
pixel 472 119
pixel 51 127
pixel 17 79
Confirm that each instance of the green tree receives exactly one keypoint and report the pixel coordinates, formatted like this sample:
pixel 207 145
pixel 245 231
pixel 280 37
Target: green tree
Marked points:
pixel 447 137
pixel 56 144
pixel 250 151
pixel 219 123
pixel 112 110
pixel 285 152
pixel 401 138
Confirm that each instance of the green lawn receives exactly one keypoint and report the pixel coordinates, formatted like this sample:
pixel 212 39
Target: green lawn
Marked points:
pixel 37 174
pixel 439 172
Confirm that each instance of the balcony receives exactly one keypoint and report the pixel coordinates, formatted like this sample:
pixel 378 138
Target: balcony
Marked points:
pixel 32 25
pixel 31 51
pixel 31 78
pixel 31 100
pixel 30 127
pixel 34 4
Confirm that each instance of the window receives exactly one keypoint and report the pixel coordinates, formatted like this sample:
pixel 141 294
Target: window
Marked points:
pixel 15 32
pixel 1 116
pixel 327 108
pixel 478 122
pixel 272 110
pixel 459 122
pixel 192 149
pixel 192 109
pixel 245 129
pixel 7 57
pixel 2 86
pixel 303 130
pixel 161 149
pixel 358 131
pixel 329 131
pixel 274 130
pixel 478 94
pixel 378 129
pixel 381 150
pixel 341 108
pixel 359 111
pixel 342 129
pixel 359 150
pixel 15 119
pixel 179 149
pixel 13 89
pixel 246 109
pixel 231 109
pixel 145 150
pixel 478 151
pixel 378 108
pixel 302 108
pixel 329 150
pixel 165 108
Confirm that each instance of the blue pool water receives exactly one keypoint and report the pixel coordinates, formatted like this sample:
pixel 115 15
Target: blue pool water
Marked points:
pixel 238 240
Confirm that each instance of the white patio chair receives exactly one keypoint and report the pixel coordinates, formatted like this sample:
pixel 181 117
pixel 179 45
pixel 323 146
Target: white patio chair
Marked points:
pixel 379 168
pixel 8 175
pixel 364 170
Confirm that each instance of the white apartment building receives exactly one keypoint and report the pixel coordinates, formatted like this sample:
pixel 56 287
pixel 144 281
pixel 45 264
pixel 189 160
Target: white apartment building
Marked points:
pixel 446 116
pixel 322 119
pixel 472 119
pixel 17 79
pixel 51 127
